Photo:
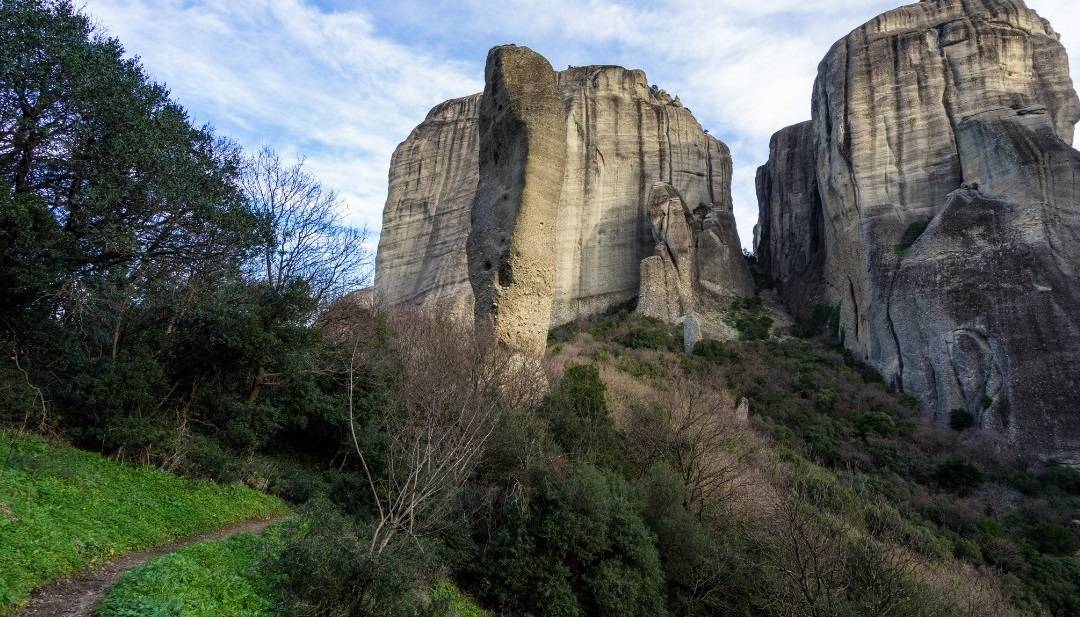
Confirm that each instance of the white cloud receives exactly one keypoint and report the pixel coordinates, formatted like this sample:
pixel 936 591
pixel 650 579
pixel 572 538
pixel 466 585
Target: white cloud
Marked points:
pixel 282 73
pixel 344 86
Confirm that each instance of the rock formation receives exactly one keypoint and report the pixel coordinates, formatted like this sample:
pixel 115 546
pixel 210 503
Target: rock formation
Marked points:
pixel 789 237
pixel 667 277
pixel 622 136
pixel 511 245
pixel 947 186
pixel 433 178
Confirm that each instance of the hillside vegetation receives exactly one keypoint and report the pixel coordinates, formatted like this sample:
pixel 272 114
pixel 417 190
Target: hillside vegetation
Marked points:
pixel 63 510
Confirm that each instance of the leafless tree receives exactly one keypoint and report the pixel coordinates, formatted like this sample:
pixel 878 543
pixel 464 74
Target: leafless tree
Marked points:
pixel 696 432
pixel 306 238
pixel 808 553
pixel 454 389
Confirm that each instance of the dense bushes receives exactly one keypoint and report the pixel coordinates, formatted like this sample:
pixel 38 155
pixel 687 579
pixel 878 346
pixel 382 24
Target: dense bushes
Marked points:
pixel 577 546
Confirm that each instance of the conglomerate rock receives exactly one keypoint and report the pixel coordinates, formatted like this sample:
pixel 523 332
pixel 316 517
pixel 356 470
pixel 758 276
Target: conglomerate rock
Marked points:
pixel 622 136
pixel 948 190
pixel 511 245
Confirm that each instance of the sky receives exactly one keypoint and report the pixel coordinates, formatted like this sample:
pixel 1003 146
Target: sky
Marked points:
pixel 343 82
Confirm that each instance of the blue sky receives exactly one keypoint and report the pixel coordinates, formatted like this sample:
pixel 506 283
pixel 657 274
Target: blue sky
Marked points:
pixel 342 82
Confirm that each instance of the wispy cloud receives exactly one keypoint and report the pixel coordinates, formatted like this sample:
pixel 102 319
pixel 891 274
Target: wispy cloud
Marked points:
pixel 322 84
pixel 342 82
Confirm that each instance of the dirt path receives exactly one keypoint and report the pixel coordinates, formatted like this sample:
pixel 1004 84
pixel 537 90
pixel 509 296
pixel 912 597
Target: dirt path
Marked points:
pixel 77 596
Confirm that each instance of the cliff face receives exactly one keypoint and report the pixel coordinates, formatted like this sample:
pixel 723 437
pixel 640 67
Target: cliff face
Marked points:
pixel 433 178
pixel 886 105
pixel 789 237
pixel 511 244
pixel 622 137
pixel 940 138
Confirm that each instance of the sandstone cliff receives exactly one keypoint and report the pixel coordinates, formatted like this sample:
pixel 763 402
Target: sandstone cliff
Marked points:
pixel 622 137
pixel 789 237
pixel 511 243
pixel 433 178
pixel 966 297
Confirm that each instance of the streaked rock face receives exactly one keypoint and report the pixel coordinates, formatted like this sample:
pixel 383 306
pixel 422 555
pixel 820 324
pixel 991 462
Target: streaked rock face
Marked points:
pixel 622 136
pixel 667 277
pixel 789 237
pixel 886 103
pixel 433 177
pixel 948 188
pixel 511 244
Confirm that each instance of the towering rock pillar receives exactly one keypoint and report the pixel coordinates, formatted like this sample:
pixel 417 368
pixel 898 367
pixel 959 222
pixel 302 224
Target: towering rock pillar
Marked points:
pixel 950 210
pixel 511 245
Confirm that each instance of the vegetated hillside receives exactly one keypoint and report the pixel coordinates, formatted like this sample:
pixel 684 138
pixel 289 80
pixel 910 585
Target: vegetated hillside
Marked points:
pixel 894 512
pixel 63 510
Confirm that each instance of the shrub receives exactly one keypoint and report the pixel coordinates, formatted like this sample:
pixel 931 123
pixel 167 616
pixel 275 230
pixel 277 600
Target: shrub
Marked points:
pixel 1050 539
pixel 577 412
pixel 875 423
pixel 327 569
pixel 957 477
pixel 572 547
pixel 961 419
pixel 716 352
pixel 750 317
pixel 646 334
pixel 1060 479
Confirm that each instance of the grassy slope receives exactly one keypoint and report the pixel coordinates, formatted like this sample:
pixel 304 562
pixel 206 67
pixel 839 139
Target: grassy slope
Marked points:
pixel 208 579
pixel 211 579
pixel 63 510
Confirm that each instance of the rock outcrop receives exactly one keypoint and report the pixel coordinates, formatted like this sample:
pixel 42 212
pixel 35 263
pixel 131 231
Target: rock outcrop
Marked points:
pixel 947 184
pixel 667 277
pixel 622 136
pixel 433 177
pixel 789 237
pixel 511 245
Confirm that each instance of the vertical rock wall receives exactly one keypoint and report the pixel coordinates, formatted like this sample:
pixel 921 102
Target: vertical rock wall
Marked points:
pixel 511 245
pixel 789 237
pixel 948 188
pixel 622 136
pixel 433 177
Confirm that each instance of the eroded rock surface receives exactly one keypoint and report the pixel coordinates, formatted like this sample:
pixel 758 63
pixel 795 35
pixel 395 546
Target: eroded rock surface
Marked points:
pixel 667 277
pixel 622 136
pixel 789 237
pixel 511 245
pixel 951 219
pixel 433 176
pixel 886 105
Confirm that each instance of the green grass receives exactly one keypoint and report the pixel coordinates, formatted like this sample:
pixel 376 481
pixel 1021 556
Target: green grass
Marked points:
pixel 209 579
pixel 447 599
pixel 225 579
pixel 63 510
